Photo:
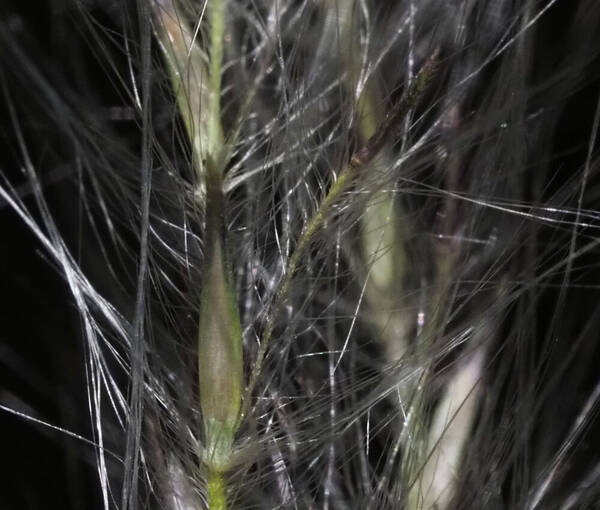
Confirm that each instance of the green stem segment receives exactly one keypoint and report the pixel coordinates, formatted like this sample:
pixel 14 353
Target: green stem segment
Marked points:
pixel 217 36
pixel 217 491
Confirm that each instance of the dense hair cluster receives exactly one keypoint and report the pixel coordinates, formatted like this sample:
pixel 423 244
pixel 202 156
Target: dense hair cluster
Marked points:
pixel 335 254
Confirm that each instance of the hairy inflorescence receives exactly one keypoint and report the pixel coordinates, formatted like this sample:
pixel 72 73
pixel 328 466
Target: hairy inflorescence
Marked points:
pixel 335 254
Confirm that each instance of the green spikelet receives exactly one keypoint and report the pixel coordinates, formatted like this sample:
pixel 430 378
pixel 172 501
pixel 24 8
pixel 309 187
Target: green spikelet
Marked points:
pixel 220 358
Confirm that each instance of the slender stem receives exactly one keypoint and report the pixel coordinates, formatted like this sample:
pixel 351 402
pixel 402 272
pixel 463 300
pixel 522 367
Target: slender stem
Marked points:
pixel 217 489
pixel 359 160
pixel 217 37
pixel 313 226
